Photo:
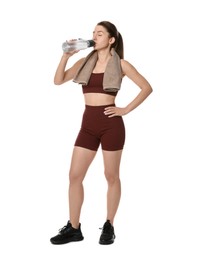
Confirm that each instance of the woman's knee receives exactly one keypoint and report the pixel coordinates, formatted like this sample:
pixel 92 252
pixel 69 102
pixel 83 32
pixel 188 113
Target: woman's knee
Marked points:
pixel 112 177
pixel 76 177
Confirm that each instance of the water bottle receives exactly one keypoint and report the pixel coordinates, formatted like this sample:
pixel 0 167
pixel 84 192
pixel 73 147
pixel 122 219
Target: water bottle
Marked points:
pixel 77 44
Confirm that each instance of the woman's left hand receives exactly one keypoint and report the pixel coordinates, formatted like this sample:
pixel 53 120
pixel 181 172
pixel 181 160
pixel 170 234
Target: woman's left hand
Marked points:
pixel 114 111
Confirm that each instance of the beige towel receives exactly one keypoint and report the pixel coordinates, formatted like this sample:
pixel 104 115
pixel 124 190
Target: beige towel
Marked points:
pixel 112 75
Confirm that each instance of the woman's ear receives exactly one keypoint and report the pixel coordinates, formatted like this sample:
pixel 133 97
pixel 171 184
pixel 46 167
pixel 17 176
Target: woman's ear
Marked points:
pixel 111 40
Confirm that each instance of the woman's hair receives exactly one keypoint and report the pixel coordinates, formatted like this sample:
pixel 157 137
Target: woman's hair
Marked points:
pixel 113 32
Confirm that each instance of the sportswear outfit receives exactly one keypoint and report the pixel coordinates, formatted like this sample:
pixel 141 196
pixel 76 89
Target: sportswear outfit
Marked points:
pixel 96 128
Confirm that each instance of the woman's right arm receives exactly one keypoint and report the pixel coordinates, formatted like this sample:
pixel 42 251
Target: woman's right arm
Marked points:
pixel 62 75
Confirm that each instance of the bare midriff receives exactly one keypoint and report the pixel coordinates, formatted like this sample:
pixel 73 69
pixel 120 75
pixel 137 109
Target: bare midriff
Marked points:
pixel 98 99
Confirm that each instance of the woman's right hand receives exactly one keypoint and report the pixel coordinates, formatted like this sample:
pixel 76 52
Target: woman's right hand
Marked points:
pixel 70 53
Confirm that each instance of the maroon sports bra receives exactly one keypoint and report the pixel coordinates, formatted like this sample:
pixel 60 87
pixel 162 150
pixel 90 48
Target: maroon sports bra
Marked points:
pixel 95 85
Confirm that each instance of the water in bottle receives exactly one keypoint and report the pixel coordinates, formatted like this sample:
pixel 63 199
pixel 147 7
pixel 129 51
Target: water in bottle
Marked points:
pixel 78 44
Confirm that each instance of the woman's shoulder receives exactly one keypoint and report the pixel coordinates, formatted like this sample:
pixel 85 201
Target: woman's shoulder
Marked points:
pixel 125 63
pixel 126 66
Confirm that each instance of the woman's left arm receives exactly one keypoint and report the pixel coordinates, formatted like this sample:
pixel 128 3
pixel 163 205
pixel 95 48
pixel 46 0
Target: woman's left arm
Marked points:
pixel 145 90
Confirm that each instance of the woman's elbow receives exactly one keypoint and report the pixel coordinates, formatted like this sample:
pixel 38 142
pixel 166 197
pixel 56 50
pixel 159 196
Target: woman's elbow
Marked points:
pixel 150 90
pixel 57 82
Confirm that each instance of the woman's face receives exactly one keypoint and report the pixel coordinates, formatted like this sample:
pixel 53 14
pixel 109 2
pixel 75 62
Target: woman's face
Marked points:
pixel 101 38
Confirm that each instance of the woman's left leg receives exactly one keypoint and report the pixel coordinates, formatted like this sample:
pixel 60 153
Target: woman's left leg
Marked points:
pixel 112 173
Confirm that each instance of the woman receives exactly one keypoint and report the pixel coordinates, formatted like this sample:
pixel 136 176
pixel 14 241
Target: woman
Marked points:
pixel 100 74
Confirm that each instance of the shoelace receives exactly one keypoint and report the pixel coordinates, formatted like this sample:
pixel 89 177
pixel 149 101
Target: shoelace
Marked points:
pixel 106 228
pixel 61 230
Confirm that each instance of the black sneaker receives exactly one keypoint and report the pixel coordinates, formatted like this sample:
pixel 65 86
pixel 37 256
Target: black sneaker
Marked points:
pixel 107 237
pixel 67 234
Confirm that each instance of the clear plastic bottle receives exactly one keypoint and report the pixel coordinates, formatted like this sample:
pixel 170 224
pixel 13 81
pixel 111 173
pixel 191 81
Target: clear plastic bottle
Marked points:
pixel 78 44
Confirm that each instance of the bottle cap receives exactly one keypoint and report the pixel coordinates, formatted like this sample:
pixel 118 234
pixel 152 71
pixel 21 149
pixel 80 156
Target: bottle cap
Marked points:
pixel 91 43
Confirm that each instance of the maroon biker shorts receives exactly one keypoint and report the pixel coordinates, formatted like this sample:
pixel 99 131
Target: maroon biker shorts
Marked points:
pixel 97 128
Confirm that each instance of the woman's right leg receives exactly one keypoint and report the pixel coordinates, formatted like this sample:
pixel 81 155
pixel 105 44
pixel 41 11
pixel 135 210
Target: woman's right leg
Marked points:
pixel 81 160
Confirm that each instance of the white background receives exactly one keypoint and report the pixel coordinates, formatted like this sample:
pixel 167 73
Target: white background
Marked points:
pixel 157 217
